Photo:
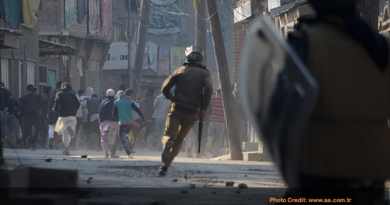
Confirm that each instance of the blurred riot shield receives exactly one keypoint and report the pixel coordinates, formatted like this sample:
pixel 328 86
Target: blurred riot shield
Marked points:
pixel 278 95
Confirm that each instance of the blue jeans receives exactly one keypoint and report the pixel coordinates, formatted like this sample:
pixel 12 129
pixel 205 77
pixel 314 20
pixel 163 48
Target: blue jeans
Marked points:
pixel 123 131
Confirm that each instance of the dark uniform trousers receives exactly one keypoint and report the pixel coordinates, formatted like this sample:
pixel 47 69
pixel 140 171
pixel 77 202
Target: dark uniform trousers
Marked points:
pixel 177 126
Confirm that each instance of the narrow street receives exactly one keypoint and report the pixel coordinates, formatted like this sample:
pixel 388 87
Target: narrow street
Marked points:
pixel 142 170
pixel 134 181
pixel 288 100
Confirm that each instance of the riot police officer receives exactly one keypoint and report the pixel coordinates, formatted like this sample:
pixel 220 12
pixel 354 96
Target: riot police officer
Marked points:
pixel 192 80
pixel 347 140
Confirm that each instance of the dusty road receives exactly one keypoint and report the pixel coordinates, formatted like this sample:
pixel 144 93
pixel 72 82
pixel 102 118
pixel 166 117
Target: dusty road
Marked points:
pixel 134 181
pixel 142 170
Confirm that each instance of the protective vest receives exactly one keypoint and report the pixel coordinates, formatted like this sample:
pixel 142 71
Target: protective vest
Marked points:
pixel 348 136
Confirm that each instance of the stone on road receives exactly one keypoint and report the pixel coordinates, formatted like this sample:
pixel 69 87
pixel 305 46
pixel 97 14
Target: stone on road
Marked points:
pixel 142 170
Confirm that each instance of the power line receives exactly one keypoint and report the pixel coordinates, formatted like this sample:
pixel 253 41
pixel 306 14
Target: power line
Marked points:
pixel 196 11
pixel 184 13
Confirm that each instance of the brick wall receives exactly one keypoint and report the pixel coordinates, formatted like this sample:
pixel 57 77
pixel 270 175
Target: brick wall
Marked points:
pixel 79 29
pixel 48 15
pixel 52 64
pixel 62 13
pixel 238 39
pixel 88 49
pixel 74 74
pixel 28 51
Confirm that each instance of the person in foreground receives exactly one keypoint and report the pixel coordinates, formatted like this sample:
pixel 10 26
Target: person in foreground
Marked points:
pixel 345 148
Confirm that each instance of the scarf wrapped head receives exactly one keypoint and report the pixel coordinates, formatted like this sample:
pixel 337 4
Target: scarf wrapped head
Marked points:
pixel 122 96
pixel 89 92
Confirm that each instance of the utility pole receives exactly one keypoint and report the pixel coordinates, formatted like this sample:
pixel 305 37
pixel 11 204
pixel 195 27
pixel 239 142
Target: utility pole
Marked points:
pixel 200 27
pixel 129 44
pixel 224 79
pixel 141 42
pixel 200 41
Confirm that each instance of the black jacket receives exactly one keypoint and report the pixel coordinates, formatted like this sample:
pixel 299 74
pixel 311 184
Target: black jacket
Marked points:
pixel 66 103
pixel 108 111
pixel 51 97
pixel 30 104
pixel 4 95
pixel 190 80
pixel 52 116
pixel 13 106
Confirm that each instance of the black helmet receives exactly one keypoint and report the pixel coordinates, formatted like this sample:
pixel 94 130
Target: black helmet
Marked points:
pixel 194 54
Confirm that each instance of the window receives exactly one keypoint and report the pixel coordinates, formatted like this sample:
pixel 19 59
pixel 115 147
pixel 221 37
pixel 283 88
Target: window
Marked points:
pixel 52 78
pixel 5 72
pixel 80 66
pixel 42 79
pixel 30 73
pixel 42 74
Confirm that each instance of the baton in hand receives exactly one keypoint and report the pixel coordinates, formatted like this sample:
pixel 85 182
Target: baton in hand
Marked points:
pixel 200 123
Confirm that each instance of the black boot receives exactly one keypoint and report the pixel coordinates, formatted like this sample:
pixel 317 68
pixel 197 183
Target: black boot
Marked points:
pixel 163 171
pixel 166 155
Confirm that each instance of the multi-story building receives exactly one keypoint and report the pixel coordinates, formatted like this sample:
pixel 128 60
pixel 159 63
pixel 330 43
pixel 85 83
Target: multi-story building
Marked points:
pixel 81 31
pixel 19 46
pixel 284 13
pixel 171 29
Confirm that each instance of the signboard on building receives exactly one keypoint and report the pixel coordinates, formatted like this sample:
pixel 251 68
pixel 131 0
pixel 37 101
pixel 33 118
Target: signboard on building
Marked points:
pixel 151 56
pixel 117 57
pixel 163 61
pixel 177 57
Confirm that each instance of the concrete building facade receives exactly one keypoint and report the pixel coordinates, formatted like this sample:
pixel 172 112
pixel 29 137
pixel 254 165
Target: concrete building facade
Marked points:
pixel 20 64
pixel 82 68
pixel 183 38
